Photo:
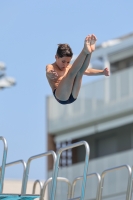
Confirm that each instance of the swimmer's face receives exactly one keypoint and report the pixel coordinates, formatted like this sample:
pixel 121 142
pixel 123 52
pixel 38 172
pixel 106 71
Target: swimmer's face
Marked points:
pixel 62 62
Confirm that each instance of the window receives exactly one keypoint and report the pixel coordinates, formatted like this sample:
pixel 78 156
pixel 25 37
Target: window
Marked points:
pixel 106 145
pixel 66 156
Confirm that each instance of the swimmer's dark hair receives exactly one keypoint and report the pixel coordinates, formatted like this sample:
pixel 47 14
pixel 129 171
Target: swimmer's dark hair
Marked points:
pixel 64 50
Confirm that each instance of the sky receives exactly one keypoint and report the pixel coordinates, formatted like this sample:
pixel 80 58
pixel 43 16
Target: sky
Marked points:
pixel 29 34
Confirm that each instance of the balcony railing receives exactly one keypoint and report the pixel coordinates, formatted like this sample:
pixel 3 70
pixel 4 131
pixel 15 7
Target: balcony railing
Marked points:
pixel 101 99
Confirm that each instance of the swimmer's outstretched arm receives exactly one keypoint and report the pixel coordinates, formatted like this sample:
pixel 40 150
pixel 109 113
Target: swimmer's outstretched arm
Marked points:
pixel 94 72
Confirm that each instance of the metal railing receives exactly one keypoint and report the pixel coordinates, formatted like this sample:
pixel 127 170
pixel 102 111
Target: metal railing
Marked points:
pixel 16 163
pixel 88 176
pixel 2 173
pixel 25 180
pixel 58 179
pixel 34 187
pixel 129 185
pixel 55 173
pixel 54 178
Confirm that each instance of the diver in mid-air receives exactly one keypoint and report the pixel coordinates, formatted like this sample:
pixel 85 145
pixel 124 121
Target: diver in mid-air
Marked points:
pixel 65 79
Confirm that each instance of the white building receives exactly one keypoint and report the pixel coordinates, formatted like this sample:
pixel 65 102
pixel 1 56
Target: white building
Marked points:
pixel 103 116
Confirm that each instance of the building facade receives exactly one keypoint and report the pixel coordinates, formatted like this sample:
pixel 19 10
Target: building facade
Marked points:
pixel 103 116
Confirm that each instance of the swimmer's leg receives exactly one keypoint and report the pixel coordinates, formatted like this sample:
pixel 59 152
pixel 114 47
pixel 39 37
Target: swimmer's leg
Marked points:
pixel 78 79
pixel 64 89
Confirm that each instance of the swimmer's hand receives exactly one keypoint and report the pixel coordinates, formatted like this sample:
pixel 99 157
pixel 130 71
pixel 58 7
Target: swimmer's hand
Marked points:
pixel 106 72
pixel 52 74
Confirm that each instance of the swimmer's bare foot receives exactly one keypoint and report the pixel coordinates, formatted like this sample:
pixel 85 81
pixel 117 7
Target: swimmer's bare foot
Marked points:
pixel 93 42
pixel 87 45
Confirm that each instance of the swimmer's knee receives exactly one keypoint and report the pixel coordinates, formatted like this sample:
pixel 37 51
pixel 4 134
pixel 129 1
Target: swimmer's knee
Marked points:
pixel 71 74
pixel 79 74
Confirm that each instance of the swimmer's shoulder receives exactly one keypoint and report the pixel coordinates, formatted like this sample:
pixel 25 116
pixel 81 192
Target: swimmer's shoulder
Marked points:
pixel 50 67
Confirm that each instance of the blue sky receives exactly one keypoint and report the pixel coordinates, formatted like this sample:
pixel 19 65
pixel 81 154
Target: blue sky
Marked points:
pixel 29 34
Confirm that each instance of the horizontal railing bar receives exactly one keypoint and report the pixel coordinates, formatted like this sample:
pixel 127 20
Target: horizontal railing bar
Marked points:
pixel 15 163
pixel 71 146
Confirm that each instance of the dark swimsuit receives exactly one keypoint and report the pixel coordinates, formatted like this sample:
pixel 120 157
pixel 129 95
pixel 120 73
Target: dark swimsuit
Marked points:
pixel 70 100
